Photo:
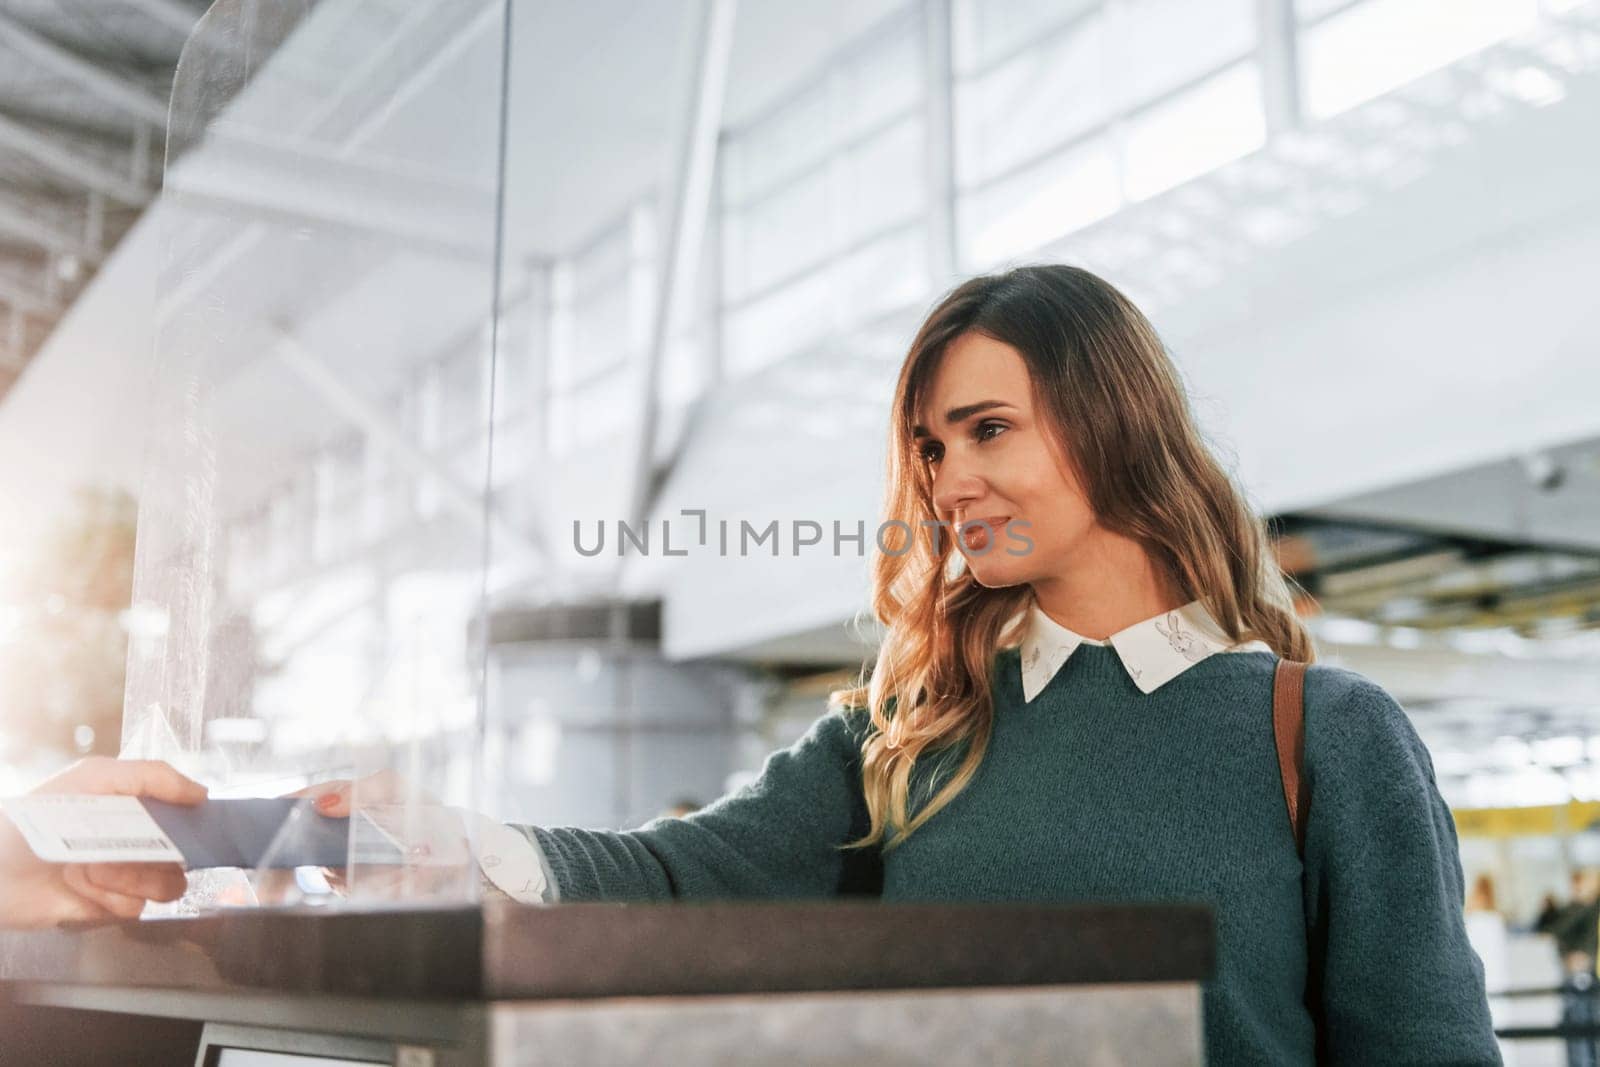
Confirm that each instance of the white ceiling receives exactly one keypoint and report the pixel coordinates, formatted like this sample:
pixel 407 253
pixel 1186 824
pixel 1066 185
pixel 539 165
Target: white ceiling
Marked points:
pixel 83 87
pixel 599 93
pixel 597 96
pixel 596 100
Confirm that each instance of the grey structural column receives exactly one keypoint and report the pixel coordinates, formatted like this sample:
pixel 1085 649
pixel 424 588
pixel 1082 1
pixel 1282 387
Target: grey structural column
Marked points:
pixel 687 210
pixel 944 251
pixel 1280 64
pixel 18 220
pixel 119 92
pixel 72 165
pixel 172 14
pixel 14 337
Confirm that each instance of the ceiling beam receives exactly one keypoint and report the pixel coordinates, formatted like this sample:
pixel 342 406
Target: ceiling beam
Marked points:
pixel 688 208
pixel 433 22
pixel 87 172
pixel 128 97
pixel 25 298
pixel 16 221
pixel 16 330
pixel 1434 673
pixel 176 16
pixel 107 134
pixel 251 178
pixel 468 500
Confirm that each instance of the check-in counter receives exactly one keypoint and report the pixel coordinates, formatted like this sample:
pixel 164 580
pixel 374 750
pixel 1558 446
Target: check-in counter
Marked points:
pixel 615 984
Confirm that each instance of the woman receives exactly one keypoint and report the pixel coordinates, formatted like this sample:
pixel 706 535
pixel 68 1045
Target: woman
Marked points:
pixel 1073 702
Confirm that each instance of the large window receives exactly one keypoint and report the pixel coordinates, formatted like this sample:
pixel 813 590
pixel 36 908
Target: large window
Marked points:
pixel 1353 52
pixel 1067 112
pixel 824 200
pixel 602 303
pixel 1062 114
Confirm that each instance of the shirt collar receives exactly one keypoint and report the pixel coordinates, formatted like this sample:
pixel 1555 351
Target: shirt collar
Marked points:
pixel 1153 652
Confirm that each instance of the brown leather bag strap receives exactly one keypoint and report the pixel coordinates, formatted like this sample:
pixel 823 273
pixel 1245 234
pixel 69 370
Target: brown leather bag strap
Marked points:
pixel 1289 729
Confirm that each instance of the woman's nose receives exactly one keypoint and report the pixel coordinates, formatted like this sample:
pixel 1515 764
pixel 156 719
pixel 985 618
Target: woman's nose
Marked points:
pixel 954 490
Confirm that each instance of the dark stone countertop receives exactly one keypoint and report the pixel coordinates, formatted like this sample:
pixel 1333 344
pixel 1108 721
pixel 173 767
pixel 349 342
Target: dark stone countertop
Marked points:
pixel 506 952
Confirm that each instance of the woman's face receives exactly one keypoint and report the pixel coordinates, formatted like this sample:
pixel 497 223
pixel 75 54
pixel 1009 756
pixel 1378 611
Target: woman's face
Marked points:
pixel 991 458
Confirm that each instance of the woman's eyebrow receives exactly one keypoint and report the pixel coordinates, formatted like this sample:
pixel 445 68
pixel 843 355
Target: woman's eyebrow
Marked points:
pixel 961 414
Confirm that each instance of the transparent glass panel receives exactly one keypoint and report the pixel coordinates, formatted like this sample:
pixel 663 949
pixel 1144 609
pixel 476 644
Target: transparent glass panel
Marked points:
pixel 777 147
pixel 589 412
pixel 312 524
pixel 831 163
pixel 770 238
pixel 882 183
pixel 1064 193
pixel 840 296
pixel 786 321
pixel 881 277
pixel 1311 10
pixel 1195 132
pixel 986 31
pixel 1032 103
pixel 1154 46
pixel 868 79
pixel 1380 45
pixel 882 76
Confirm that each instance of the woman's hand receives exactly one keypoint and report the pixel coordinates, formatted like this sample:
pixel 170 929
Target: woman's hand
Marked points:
pixel 336 798
pixel 37 894
pixel 432 855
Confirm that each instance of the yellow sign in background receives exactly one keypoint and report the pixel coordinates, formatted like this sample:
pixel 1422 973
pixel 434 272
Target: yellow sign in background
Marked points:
pixel 1549 820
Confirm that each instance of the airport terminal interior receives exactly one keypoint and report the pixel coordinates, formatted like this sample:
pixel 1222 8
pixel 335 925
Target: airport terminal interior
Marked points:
pixel 495 393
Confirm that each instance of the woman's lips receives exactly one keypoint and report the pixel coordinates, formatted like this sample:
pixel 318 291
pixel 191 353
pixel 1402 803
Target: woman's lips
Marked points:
pixel 975 536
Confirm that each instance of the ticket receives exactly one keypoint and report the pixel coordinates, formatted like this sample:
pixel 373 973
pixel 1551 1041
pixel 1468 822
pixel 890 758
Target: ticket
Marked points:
pixel 250 832
pixel 90 829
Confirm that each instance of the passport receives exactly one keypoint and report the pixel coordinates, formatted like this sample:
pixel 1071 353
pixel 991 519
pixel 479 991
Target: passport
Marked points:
pixel 276 832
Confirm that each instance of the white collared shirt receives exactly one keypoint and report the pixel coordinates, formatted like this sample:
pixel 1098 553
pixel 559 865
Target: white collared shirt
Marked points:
pixel 1153 652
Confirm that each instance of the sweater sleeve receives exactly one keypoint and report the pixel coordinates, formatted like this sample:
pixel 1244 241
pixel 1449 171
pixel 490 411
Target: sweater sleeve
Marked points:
pixel 779 837
pixel 1392 977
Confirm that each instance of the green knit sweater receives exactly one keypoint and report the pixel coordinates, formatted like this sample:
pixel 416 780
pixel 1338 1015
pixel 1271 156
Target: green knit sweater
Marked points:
pixel 1098 792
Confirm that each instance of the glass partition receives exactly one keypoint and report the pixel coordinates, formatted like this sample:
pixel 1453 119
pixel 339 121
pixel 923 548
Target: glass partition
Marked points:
pixel 313 520
pixel 705 303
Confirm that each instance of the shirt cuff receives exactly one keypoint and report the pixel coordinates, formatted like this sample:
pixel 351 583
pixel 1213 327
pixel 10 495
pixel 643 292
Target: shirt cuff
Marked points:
pixel 512 861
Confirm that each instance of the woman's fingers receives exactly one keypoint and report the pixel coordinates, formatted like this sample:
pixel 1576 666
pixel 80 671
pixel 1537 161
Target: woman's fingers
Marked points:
pixel 158 781
pixel 119 905
pixel 328 798
pixel 121 890
pixel 72 907
pixel 335 799
pixel 136 778
pixel 147 881
pixel 334 802
pixel 37 897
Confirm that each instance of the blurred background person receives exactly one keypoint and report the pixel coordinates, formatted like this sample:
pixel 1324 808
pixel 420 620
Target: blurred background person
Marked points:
pixel 681 807
pixel 1486 930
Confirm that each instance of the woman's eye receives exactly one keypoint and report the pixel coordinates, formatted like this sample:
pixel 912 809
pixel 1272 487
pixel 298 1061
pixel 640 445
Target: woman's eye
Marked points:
pixel 987 430
pixel 930 453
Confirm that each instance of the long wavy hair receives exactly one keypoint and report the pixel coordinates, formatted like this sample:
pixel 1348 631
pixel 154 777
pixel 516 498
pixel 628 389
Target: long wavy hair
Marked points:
pixel 1113 401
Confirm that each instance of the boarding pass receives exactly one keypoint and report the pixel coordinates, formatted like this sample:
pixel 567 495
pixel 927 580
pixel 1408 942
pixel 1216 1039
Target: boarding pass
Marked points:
pixel 90 829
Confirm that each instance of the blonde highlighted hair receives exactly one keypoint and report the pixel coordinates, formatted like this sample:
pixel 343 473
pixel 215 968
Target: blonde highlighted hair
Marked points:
pixel 1111 397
